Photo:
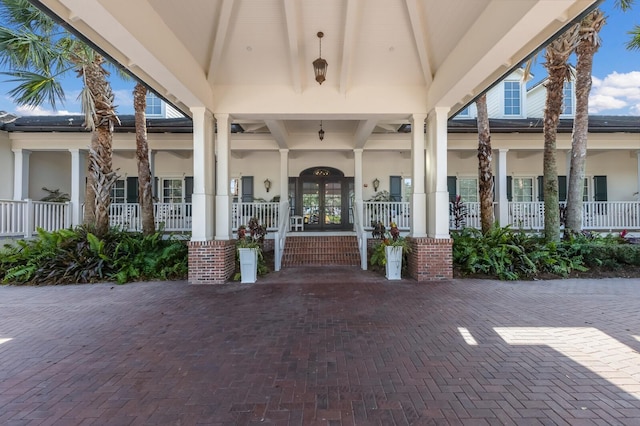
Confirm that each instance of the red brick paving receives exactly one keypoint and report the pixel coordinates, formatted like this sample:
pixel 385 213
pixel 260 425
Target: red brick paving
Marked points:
pixel 321 347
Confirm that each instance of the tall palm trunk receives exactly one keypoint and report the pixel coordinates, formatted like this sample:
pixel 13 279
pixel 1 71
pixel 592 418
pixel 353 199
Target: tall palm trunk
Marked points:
pixel 102 120
pixel 485 175
pixel 145 195
pixel 588 43
pixel 556 55
pixel 90 193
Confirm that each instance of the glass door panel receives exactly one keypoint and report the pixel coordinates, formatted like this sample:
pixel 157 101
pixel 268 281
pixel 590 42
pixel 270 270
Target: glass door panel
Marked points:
pixel 311 203
pixel 332 203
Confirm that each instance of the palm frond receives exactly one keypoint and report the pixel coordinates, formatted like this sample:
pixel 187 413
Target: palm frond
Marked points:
pixel 634 43
pixel 35 89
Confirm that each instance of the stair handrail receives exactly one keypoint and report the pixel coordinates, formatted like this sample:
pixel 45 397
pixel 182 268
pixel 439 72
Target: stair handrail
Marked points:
pixel 281 235
pixel 360 234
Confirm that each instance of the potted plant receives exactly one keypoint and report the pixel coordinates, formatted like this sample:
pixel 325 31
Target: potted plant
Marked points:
pixel 249 249
pixel 390 251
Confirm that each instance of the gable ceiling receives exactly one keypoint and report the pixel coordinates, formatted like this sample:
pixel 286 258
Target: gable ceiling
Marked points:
pixel 252 59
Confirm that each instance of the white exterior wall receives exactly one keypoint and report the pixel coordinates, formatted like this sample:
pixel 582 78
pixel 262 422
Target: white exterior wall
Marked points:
pixel 6 167
pixel 51 170
pixel 536 99
pixel 621 169
pixel 381 165
pixel 261 165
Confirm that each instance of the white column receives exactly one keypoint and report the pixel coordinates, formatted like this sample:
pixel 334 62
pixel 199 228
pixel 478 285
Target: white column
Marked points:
pixel 21 174
pixel 223 201
pixel 78 174
pixel 284 184
pixel 502 215
pixel 357 187
pixel 437 193
pixel 152 168
pixel 419 197
pixel 203 179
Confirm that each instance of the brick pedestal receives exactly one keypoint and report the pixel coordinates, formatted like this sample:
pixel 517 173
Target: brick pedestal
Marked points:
pixel 211 262
pixel 430 259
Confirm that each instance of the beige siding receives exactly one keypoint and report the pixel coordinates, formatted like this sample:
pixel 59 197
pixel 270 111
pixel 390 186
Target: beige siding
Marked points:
pixel 51 170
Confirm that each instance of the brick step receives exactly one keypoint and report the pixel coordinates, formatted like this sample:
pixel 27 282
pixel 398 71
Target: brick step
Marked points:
pixel 321 250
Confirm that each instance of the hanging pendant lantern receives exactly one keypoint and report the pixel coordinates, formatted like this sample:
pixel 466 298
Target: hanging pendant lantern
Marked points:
pixel 320 65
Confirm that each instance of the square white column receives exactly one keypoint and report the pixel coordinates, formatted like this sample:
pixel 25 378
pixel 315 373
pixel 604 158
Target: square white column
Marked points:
pixel 284 184
pixel 223 200
pixel 357 179
pixel 203 178
pixel 419 197
pixel 21 174
pixel 437 192
pixel 502 215
pixel 78 174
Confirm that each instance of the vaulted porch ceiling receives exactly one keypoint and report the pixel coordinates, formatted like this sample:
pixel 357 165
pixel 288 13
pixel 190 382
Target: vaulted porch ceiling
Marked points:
pixel 252 59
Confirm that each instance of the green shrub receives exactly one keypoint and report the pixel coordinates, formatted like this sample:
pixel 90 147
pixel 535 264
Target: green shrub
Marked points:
pixel 78 256
pixel 512 255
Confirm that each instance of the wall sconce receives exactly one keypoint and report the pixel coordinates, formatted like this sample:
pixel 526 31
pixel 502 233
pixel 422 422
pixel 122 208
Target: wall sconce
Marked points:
pixel 376 184
pixel 267 184
pixel 320 65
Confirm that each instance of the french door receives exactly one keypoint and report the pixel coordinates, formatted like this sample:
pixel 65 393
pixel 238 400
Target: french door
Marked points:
pixel 324 204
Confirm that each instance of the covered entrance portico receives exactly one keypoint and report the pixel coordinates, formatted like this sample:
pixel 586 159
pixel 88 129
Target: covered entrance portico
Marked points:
pixel 392 63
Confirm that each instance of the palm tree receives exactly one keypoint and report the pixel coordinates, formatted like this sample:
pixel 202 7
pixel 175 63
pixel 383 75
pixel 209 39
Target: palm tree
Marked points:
pixel 587 44
pixel 145 195
pixel 556 55
pixel 38 52
pixel 485 175
pixel 634 42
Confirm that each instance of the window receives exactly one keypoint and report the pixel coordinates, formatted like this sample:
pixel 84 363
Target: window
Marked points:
pixel 585 193
pixel 172 190
pixel 464 113
pixel 154 105
pixel 468 189
pixel 118 193
pixel 408 189
pixel 567 100
pixel 512 98
pixel 522 189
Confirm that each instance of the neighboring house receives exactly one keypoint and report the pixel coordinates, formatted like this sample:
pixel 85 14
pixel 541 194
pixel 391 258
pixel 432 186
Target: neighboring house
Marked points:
pixel 260 80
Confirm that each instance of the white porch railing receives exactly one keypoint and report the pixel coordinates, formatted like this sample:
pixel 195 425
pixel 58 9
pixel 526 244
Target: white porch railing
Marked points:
pixel 266 213
pixel 361 235
pixel 21 218
pixel 170 217
pixel 280 237
pixel 386 212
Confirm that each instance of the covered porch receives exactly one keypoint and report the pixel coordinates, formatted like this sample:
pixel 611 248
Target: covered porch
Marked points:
pixel 248 63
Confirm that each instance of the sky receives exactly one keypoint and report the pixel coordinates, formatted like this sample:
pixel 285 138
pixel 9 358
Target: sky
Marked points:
pixel 615 89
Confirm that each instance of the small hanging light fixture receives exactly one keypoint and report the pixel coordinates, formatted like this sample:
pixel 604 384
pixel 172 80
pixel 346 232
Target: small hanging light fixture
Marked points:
pixel 321 132
pixel 320 65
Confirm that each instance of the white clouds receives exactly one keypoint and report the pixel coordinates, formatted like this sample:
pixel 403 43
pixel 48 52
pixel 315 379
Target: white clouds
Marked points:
pixel 616 94
pixel 38 110
pixel 123 99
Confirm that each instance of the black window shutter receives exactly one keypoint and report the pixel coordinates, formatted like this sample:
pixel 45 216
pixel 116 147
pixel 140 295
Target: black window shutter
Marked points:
pixel 188 188
pixel 395 188
pixel 132 189
pixel 509 188
pixel 540 188
pixel 451 187
pixel 247 189
pixel 562 188
pixel 600 188
pixel 155 188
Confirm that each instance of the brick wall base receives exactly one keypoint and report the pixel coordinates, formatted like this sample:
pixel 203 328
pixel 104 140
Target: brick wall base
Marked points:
pixel 211 262
pixel 430 259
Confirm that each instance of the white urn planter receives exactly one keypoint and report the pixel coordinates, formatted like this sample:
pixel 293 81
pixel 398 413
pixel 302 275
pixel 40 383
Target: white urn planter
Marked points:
pixel 248 264
pixel 394 262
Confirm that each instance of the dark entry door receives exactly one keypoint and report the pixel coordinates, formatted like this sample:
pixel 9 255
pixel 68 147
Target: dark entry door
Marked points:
pixel 322 204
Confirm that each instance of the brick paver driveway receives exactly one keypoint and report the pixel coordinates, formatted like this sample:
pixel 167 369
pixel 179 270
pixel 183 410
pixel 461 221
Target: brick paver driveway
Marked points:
pixel 352 350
